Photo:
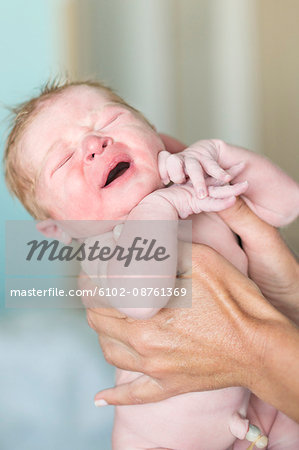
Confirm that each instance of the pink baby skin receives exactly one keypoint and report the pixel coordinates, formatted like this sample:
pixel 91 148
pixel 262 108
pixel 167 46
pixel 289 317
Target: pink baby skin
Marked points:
pixel 72 144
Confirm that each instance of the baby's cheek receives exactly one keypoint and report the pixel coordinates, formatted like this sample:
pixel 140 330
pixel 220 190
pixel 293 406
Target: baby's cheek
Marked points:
pixel 79 201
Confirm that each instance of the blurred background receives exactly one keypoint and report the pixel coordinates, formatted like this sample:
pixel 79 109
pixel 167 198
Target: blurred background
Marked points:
pixel 197 69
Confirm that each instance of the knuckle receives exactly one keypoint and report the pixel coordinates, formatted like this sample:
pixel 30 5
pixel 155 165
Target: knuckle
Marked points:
pixel 107 355
pixel 174 159
pixel 143 341
pixel 90 323
pixel 90 319
pixel 109 360
pixel 218 143
pixel 164 153
pixel 192 161
pixel 107 350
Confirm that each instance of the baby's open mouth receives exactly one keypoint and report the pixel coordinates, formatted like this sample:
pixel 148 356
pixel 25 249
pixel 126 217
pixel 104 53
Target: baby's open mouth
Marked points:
pixel 117 172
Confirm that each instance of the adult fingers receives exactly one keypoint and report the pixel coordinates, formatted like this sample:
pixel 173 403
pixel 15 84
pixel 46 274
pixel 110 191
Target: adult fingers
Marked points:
pixel 253 231
pixel 120 355
pixel 143 389
pixel 105 322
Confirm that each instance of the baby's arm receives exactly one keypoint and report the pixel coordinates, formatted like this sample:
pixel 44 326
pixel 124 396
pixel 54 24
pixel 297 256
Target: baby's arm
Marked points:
pixel 271 194
pixel 155 217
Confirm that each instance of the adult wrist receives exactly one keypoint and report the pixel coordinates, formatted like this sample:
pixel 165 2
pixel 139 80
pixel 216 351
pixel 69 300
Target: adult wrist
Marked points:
pixel 262 326
pixel 273 376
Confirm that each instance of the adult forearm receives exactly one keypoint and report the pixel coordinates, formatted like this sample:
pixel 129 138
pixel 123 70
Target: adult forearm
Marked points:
pixel 276 379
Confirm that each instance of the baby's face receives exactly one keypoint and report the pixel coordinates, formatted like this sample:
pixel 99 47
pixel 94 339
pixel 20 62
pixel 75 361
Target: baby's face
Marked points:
pixel 95 159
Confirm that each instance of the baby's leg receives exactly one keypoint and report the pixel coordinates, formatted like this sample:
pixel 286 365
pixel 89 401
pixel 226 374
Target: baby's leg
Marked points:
pixel 283 432
pixel 127 434
pixel 126 439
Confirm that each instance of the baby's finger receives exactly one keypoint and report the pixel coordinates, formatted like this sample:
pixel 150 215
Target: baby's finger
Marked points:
pixel 233 171
pixel 175 168
pixel 228 190
pixel 194 170
pixel 210 181
pixel 212 168
pixel 212 204
pixel 162 158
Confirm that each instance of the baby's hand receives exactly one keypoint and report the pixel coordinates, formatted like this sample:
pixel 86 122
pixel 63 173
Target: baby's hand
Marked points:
pixel 199 163
pixel 182 197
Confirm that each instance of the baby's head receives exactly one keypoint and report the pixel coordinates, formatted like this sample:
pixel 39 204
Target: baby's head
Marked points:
pixel 79 152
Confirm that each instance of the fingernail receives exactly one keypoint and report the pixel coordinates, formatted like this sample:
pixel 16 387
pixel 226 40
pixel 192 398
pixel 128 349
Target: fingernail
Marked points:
pixel 243 184
pixel 201 193
pixel 100 402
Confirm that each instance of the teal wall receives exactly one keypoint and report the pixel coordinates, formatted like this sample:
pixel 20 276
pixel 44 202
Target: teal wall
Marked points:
pixel 28 55
pixel 50 362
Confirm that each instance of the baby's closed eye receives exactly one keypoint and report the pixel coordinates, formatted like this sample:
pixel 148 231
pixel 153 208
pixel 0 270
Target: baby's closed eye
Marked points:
pixel 62 162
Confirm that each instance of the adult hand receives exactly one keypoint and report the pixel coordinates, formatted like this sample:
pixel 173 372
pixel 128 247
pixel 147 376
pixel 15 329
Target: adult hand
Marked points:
pixel 230 336
pixel 271 264
pixel 224 340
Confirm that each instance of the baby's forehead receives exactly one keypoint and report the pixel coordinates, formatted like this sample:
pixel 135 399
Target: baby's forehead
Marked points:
pixel 76 105
pixel 58 114
pixel 76 99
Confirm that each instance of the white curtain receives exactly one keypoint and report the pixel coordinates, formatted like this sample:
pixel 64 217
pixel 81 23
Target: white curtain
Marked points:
pixel 198 68
pixel 188 65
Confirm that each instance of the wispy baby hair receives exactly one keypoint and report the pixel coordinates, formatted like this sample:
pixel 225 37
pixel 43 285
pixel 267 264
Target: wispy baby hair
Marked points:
pixel 19 181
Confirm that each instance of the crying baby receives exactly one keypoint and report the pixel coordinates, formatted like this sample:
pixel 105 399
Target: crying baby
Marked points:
pixel 78 152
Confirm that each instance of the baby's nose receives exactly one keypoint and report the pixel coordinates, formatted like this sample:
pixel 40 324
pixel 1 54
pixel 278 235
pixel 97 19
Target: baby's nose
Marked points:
pixel 94 145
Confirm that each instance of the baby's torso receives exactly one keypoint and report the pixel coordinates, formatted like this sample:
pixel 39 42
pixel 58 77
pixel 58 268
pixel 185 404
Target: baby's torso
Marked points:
pixel 199 420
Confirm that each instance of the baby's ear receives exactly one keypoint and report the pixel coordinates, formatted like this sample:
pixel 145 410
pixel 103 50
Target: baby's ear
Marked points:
pixel 51 229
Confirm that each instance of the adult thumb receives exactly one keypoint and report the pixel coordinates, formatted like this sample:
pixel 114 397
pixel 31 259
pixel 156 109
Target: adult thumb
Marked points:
pixel 143 389
pixel 253 231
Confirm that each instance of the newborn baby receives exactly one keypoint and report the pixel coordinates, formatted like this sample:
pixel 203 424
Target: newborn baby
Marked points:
pixel 78 152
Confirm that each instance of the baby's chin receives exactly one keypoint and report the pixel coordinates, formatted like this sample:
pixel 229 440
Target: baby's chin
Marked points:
pixel 127 199
pixel 138 196
pixel 122 210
